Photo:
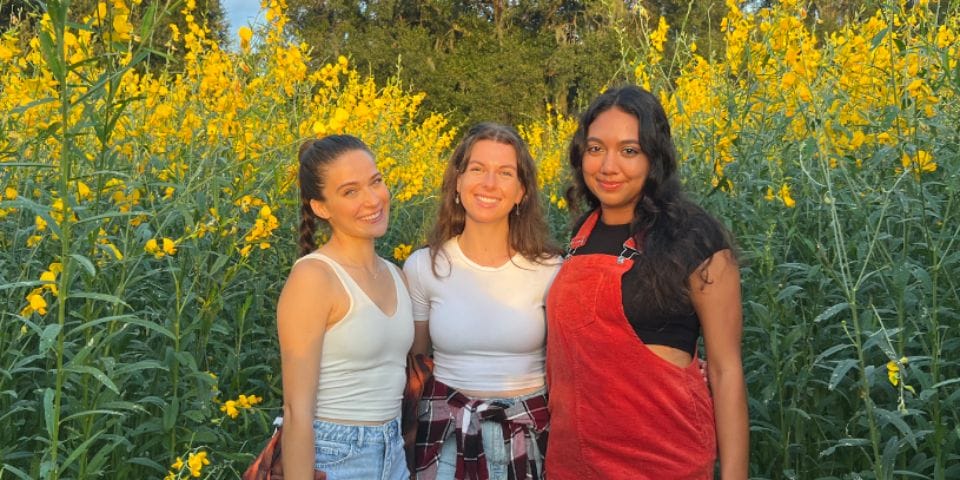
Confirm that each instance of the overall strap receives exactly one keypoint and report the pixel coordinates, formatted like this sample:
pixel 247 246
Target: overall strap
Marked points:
pixel 630 248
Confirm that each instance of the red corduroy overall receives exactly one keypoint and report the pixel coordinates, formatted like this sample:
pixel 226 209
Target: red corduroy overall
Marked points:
pixel 618 411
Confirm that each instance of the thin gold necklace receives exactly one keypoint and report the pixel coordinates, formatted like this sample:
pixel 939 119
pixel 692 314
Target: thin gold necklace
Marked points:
pixel 375 274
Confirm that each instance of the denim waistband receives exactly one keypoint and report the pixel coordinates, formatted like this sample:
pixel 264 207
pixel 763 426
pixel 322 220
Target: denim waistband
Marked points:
pixel 358 434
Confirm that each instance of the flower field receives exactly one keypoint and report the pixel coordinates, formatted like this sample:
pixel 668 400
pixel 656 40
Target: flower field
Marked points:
pixel 148 217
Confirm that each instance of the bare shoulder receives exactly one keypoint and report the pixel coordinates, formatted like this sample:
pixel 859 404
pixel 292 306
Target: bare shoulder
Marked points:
pixel 310 274
pixel 722 266
pixel 312 295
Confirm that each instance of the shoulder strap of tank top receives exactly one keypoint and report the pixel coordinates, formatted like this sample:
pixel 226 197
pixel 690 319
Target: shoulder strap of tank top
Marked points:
pixel 345 279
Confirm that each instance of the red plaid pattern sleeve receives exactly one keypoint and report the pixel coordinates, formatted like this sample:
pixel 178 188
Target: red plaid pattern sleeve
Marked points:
pixel 448 413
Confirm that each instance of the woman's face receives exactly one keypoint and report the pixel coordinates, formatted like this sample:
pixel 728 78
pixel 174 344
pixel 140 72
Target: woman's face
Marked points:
pixel 614 167
pixel 357 203
pixel 490 187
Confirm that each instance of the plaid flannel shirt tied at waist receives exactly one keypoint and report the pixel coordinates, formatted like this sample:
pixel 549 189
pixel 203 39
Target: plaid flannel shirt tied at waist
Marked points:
pixel 450 412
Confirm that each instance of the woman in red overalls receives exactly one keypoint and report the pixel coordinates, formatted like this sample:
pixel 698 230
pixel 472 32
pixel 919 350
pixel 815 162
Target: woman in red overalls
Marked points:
pixel 647 271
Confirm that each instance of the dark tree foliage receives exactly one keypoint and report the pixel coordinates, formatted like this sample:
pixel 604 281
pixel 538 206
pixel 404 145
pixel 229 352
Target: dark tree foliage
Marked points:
pixel 15 11
pixel 477 60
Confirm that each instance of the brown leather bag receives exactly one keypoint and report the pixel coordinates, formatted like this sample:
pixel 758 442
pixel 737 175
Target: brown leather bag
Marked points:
pixel 268 466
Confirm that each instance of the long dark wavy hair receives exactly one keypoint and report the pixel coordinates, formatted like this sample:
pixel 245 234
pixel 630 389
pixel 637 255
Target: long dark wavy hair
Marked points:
pixel 528 229
pixel 315 156
pixel 673 231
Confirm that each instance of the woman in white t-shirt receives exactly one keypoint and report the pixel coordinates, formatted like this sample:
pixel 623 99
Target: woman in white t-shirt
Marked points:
pixel 478 294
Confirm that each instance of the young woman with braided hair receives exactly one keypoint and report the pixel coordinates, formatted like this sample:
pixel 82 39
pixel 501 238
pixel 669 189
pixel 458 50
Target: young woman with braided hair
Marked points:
pixel 345 324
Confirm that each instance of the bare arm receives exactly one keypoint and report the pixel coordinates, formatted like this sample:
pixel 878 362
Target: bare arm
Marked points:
pixel 715 293
pixel 302 319
pixel 412 275
pixel 421 338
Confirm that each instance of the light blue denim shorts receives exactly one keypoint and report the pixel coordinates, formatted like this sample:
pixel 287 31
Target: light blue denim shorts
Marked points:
pixel 360 452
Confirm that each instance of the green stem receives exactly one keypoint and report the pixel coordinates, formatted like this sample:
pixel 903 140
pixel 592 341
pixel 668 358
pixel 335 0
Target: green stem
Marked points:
pixel 63 283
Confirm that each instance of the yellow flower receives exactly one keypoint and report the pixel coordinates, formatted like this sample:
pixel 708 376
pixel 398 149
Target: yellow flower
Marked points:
pixel 919 163
pixel 10 193
pixel 178 464
pixel 169 247
pixel 33 240
pixel 40 223
pixel 230 408
pixel 402 251
pixel 245 34
pixel 152 248
pixel 785 196
pixel 83 191
pixel 35 303
pixel 50 279
pixel 196 461
pixel 893 373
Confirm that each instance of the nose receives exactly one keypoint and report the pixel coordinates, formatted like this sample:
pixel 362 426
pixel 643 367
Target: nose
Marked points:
pixel 490 179
pixel 370 196
pixel 608 164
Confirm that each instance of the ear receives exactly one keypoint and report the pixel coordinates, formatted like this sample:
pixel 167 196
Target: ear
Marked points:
pixel 320 209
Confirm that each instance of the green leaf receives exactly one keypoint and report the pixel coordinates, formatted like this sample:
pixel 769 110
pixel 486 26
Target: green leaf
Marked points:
pixel 48 411
pixel 90 412
pixel 896 419
pixel 127 319
pixel 840 371
pixel 846 442
pixel 95 373
pixel 170 414
pixel 48 337
pixel 50 55
pixel 944 383
pixel 16 471
pixel 889 457
pixel 25 284
pixel 80 450
pixel 789 292
pixel 102 297
pixel 830 351
pixel 830 312
pixel 85 263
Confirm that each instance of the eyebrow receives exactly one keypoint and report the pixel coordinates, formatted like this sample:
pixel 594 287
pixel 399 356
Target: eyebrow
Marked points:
pixel 625 142
pixel 351 184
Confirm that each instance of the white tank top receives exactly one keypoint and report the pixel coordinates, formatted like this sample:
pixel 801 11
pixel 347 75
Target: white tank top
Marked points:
pixel 363 363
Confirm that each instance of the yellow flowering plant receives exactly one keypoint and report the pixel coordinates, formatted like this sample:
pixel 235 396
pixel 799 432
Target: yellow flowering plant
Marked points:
pixel 149 216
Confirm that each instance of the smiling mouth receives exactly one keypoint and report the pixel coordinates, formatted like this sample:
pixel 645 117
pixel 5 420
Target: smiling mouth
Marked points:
pixel 487 201
pixel 609 186
pixel 373 217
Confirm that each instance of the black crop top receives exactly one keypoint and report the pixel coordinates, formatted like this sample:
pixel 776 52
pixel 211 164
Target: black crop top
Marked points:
pixel 654 328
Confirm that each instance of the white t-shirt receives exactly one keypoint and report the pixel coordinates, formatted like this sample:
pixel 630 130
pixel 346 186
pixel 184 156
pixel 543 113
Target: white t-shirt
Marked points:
pixel 487 324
